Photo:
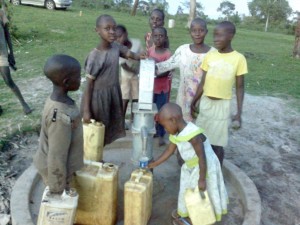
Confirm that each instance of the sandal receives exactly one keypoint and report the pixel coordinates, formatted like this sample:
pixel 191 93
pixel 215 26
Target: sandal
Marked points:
pixel 174 214
pixel 181 221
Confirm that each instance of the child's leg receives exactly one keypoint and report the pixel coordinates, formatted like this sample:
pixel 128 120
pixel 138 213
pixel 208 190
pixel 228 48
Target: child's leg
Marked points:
pixel 219 151
pixel 5 72
pixel 184 184
pixel 160 100
pixel 125 104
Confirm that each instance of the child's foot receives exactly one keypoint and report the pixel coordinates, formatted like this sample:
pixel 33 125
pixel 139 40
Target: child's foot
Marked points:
pixel 161 141
pixel 27 110
pixel 174 214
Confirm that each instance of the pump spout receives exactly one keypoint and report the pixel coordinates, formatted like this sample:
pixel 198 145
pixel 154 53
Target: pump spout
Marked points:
pixel 144 136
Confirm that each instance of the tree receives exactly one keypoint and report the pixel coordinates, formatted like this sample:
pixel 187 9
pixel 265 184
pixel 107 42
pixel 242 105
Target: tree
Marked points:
pixel 227 8
pixel 296 51
pixel 134 7
pixel 270 10
pixel 192 14
pixel 179 10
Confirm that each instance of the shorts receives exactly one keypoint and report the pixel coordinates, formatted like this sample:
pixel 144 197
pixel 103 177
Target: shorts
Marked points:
pixel 214 118
pixel 3 61
pixel 130 87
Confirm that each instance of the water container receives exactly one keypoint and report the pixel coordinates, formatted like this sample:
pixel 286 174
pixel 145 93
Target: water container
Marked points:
pixel 93 134
pixel 58 209
pixel 171 23
pixel 138 198
pixel 199 207
pixel 97 186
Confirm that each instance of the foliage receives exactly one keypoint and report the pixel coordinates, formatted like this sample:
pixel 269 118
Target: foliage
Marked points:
pixel 226 8
pixel 276 10
pixel 199 8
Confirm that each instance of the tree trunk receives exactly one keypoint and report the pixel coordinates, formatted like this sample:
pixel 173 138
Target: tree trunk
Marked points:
pixel 296 51
pixel 267 22
pixel 135 5
pixel 192 12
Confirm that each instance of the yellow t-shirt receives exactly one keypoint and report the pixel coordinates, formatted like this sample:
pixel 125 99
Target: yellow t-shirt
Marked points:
pixel 222 69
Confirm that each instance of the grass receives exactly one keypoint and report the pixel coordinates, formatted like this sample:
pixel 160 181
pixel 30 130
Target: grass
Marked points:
pixel 42 33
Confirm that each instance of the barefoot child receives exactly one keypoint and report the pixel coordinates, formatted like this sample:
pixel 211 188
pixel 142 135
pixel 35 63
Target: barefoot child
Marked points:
pixel 188 58
pixel 129 69
pixel 60 151
pixel 102 98
pixel 221 69
pixel 159 53
pixel 7 59
pixel 201 167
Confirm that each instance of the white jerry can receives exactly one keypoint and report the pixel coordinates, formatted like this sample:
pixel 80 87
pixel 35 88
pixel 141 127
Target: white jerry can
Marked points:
pixel 58 209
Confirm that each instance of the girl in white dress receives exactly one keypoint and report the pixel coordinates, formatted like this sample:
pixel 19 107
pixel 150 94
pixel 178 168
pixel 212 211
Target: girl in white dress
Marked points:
pixel 188 58
pixel 201 167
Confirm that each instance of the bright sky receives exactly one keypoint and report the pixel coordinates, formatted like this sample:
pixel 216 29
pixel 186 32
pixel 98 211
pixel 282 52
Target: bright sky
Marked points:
pixel 210 6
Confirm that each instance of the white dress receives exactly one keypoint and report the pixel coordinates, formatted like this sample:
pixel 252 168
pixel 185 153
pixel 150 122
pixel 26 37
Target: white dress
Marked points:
pixel 190 75
pixel 190 171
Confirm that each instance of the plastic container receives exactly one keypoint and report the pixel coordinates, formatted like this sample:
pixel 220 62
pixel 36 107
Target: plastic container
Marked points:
pixel 199 207
pixel 58 209
pixel 93 139
pixel 171 23
pixel 97 186
pixel 138 198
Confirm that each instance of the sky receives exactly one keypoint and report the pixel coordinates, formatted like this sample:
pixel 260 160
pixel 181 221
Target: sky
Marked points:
pixel 210 6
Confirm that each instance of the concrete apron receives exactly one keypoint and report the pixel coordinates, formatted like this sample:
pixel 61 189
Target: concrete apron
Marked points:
pixel 27 192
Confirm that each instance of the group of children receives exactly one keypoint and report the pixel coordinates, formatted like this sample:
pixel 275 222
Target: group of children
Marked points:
pixel 206 76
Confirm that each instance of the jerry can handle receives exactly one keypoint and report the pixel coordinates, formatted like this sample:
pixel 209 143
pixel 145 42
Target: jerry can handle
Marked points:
pixel 202 193
pixel 138 177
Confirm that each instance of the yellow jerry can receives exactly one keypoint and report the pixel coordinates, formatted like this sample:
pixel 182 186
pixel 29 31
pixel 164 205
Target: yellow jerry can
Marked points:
pixel 199 207
pixel 138 198
pixel 93 139
pixel 97 186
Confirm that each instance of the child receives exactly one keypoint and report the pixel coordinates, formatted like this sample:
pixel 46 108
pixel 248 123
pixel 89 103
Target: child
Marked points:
pixel 221 69
pixel 8 59
pixel 102 98
pixel 201 167
pixel 60 151
pixel 188 58
pixel 157 19
pixel 129 69
pixel 161 83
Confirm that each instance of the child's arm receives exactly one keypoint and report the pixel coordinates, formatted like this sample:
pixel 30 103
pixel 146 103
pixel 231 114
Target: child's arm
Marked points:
pixel 136 56
pixel 197 143
pixel 129 69
pixel 240 98
pixel 164 156
pixel 198 94
pixel 59 140
pixel 87 115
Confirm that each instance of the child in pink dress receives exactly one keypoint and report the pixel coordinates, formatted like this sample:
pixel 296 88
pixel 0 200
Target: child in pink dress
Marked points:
pixel 162 82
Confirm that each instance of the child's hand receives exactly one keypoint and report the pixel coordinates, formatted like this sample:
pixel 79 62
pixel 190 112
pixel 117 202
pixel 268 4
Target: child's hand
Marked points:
pixel 194 110
pixel 86 118
pixel 151 165
pixel 143 55
pixel 202 185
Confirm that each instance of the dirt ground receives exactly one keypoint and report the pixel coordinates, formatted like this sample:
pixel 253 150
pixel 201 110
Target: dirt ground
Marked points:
pixel 267 149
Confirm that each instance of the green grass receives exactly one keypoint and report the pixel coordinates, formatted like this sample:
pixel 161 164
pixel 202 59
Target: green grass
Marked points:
pixel 42 33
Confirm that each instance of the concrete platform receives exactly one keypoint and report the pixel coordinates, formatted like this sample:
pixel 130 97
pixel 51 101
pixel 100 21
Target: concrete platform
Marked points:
pixel 244 206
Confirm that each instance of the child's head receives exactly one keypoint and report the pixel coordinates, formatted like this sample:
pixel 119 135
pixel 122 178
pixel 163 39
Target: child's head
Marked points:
pixel 106 28
pixel 121 34
pixel 170 117
pixel 223 34
pixel 63 71
pixel 160 36
pixel 157 18
pixel 198 30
